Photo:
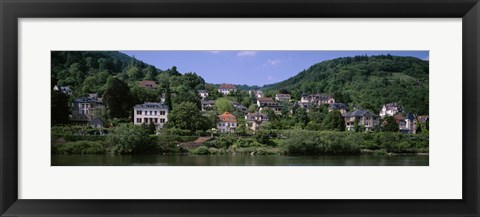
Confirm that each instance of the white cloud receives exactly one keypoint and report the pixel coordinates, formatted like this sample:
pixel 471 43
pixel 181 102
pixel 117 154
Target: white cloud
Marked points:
pixel 246 53
pixel 273 62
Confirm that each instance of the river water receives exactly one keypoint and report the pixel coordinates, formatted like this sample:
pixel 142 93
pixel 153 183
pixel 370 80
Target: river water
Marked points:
pixel 237 160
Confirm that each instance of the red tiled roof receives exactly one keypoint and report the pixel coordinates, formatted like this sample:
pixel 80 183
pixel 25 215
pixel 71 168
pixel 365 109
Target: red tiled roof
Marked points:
pixel 148 83
pixel 265 99
pixel 227 86
pixel 227 117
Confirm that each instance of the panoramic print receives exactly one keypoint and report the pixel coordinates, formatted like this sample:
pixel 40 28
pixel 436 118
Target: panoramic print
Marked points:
pixel 239 108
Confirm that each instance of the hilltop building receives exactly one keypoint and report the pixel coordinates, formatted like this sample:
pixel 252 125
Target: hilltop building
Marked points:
pixel 226 89
pixel 283 97
pixel 317 99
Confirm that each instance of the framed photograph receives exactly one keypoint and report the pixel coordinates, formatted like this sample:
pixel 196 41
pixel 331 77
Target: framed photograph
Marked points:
pixel 161 108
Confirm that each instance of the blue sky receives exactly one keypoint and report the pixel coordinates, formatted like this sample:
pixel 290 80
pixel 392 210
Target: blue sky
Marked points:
pixel 249 67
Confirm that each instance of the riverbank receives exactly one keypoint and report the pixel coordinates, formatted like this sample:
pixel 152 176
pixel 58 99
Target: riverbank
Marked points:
pixel 287 142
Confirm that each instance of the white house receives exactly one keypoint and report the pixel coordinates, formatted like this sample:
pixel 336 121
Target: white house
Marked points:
pixel 283 97
pixel 150 112
pixel 390 109
pixel 203 94
pixel 226 89
pixel 317 99
pixel 227 123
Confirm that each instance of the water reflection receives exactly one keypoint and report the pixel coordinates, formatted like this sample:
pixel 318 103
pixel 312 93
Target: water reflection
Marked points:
pixel 236 160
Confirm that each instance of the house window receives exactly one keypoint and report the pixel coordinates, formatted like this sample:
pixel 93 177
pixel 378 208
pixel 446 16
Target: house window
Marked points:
pixel 155 120
pixel 139 112
pixel 150 112
pixel 145 120
pixel 162 112
pixel 162 120
pixel 145 112
pixel 139 120
pixel 155 112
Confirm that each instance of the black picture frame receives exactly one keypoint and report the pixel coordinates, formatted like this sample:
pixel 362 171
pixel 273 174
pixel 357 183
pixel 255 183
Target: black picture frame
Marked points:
pixel 12 10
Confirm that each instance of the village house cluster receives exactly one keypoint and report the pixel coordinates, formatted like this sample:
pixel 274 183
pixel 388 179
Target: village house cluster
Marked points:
pixel 85 110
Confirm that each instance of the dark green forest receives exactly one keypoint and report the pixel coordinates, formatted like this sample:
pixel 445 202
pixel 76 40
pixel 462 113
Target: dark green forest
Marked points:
pixel 367 82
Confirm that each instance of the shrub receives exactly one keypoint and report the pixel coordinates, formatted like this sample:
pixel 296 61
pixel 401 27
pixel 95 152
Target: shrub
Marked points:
pixel 202 150
pixel 130 139
pixel 79 147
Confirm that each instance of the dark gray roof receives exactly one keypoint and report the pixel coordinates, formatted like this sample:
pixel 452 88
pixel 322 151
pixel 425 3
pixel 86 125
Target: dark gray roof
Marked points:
pixel 358 113
pixel 338 106
pixel 207 102
pixel 86 100
pixel 151 105
pixel 410 116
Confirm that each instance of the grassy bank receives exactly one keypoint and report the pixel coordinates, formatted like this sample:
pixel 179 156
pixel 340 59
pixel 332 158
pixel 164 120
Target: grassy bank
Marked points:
pixel 134 140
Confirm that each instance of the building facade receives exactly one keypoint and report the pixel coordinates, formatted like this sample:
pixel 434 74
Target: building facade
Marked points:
pixel 283 97
pixel 254 120
pixel 317 99
pixel 268 103
pixel 151 112
pixel 226 89
pixel 147 84
pixel 365 118
pixel 85 108
pixel 227 123
pixel 390 109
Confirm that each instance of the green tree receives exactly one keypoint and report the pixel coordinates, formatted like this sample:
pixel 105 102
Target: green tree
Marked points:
pixel 223 105
pixel 60 108
pixel 334 121
pixel 117 99
pixel 186 116
pixel 130 139
pixel 252 108
pixel 301 117
pixel 389 124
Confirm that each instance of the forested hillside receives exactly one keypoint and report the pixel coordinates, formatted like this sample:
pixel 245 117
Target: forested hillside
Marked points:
pixel 367 82
pixel 88 71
